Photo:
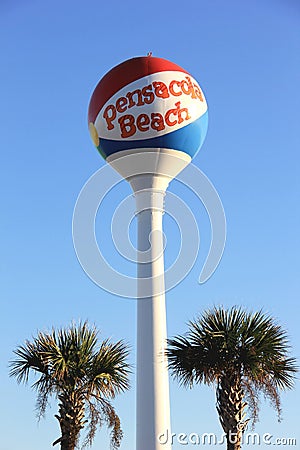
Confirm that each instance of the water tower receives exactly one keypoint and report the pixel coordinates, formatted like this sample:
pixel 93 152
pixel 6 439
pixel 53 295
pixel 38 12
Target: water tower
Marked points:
pixel 148 118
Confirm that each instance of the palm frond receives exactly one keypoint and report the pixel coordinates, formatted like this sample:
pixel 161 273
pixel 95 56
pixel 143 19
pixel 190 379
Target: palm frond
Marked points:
pixel 70 364
pixel 181 358
pixel 99 412
pixel 28 358
pixel 109 369
pixel 226 344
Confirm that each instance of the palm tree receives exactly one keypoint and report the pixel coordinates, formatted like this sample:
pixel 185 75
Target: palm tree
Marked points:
pixel 82 374
pixel 242 354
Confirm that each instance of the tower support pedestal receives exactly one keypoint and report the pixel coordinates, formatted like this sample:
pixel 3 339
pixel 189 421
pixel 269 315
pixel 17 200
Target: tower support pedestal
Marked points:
pixel 152 402
pixel 149 172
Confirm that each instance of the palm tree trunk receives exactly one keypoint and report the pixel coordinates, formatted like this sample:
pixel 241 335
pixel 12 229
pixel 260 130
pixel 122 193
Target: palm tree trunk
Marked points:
pixel 70 417
pixel 230 406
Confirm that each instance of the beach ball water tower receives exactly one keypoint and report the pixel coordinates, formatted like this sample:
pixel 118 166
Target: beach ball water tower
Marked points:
pixel 148 118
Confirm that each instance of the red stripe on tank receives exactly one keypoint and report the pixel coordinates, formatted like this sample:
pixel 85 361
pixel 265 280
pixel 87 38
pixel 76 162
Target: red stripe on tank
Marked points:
pixel 123 74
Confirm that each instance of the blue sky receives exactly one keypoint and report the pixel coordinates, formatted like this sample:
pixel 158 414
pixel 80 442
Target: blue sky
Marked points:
pixel 246 57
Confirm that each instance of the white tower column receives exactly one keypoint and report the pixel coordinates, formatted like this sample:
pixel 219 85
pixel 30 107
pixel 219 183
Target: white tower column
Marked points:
pixel 152 403
pixel 149 171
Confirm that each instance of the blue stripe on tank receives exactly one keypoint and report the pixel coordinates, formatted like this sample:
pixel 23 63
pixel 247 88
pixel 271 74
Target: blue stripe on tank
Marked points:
pixel 188 139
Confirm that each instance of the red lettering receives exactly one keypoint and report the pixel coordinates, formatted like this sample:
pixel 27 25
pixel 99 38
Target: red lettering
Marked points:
pixel 121 104
pixel 171 87
pixel 148 94
pixel 110 117
pixel 187 87
pixel 187 115
pixel 198 93
pixel 142 121
pixel 127 125
pixel 177 112
pixel 132 103
pixel 161 89
pixel 157 122
pixel 169 122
